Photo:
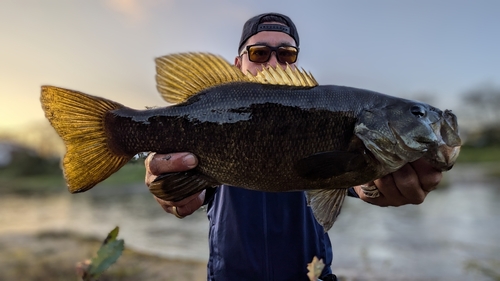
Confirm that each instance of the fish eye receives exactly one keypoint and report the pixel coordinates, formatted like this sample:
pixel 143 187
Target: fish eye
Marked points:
pixel 418 111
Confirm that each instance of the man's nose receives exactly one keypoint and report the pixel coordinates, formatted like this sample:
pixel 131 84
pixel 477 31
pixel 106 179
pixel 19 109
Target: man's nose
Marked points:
pixel 273 60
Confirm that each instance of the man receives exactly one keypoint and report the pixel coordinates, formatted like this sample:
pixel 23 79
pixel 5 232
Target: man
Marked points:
pixel 272 236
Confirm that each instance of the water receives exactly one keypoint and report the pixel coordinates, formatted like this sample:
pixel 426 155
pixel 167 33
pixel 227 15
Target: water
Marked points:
pixel 431 241
pixel 143 223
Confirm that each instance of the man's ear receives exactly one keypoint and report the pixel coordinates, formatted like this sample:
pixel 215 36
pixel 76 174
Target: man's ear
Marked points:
pixel 237 62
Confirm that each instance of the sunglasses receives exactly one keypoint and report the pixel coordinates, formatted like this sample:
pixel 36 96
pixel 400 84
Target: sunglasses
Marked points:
pixel 262 53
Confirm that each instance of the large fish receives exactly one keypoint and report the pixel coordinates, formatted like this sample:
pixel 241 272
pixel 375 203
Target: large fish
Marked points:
pixel 276 131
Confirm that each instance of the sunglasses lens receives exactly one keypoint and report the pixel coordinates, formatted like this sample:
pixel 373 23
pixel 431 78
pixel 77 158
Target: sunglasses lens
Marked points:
pixel 259 54
pixel 262 53
pixel 287 54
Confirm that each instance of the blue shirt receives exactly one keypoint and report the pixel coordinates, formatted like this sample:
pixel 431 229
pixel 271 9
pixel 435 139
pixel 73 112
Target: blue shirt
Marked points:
pixel 263 236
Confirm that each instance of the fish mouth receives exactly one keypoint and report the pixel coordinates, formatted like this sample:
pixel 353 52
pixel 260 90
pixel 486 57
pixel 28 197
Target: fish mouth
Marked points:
pixel 444 157
pixel 439 154
pixel 446 153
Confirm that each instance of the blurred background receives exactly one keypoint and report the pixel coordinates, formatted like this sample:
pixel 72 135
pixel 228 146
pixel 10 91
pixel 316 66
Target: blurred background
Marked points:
pixel 441 52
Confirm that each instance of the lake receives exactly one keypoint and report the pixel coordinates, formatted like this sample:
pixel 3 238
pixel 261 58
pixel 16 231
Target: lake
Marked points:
pixel 456 225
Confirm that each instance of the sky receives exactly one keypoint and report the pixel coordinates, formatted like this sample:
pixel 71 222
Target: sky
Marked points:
pixel 423 49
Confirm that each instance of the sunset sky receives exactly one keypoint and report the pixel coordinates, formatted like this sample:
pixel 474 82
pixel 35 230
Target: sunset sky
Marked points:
pixel 423 48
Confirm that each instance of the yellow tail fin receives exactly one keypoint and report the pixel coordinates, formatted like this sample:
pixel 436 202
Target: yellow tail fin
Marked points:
pixel 78 119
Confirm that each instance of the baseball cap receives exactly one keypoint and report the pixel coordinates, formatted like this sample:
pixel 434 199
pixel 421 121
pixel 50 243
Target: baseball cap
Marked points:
pixel 255 25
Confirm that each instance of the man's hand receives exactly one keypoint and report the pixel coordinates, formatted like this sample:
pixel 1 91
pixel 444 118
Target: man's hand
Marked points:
pixel 157 164
pixel 408 185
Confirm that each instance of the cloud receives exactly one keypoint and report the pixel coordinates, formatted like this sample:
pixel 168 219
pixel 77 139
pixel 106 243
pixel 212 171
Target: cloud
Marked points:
pixel 136 10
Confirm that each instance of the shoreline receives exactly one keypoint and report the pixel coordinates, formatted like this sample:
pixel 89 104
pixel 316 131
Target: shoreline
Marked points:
pixel 53 256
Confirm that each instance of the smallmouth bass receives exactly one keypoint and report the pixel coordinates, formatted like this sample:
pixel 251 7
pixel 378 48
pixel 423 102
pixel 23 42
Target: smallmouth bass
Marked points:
pixel 276 131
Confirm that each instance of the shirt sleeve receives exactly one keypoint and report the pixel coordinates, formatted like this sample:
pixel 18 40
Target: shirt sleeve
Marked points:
pixel 209 194
pixel 350 192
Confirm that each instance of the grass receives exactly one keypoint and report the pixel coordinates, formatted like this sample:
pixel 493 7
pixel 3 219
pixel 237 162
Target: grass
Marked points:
pixel 134 171
pixel 54 182
pixel 488 269
pixel 484 155
pixel 41 184
pixel 478 155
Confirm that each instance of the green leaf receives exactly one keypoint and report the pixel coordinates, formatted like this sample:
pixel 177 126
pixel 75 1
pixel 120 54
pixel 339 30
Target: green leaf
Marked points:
pixel 111 235
pixel 107 255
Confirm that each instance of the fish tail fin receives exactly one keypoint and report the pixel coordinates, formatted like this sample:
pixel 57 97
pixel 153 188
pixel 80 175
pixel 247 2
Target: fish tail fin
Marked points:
pixel 78 118
pixel 326 205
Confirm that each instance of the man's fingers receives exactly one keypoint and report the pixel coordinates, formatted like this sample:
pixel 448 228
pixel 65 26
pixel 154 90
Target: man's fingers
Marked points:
pixel 186 206
pixel 158 164
pixel 428 176
pixel 389 194
pixel 408 183
pixel 191 207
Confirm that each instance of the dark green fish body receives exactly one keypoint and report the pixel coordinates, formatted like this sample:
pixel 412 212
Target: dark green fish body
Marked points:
pixel 261 137
pixel 252 135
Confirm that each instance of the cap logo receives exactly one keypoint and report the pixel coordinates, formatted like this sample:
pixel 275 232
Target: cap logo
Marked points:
pixel 273 27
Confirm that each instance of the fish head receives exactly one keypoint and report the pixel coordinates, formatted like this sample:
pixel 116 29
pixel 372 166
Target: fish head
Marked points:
pixel 403 131
pixel 446 151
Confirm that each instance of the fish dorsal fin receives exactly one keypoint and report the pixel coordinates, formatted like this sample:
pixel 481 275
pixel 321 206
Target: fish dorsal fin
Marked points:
pixel 180 76
pixel 283 76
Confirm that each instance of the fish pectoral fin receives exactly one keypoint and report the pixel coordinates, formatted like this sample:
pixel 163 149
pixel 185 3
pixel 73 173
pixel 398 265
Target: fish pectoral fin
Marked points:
pixel 329 164
pixel 179 185
pixel 326 205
